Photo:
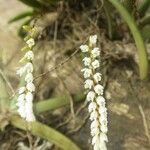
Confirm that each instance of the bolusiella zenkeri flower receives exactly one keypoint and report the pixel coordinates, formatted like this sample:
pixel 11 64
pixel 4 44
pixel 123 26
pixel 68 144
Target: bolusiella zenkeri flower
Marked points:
pixel 25 98
pixel 97 104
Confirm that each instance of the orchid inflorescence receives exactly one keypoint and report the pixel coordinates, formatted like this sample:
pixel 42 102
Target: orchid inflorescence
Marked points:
pixel 97 108
pixel 25 98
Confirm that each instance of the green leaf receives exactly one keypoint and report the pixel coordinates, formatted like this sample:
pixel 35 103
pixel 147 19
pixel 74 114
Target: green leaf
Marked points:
pixel 142 54
pixel 21 16
pixel 145 32
pixel 32 3
pixel 45 132
pixel 145 21
pixel 144 7
pixel 56 102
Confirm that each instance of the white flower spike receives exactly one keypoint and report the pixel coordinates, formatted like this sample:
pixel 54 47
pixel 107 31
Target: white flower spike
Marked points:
pixel 97 103
pixel 25 98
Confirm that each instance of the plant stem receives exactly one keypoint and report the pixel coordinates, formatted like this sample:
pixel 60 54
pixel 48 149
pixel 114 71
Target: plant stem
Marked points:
pixel 54 103
pixel 143 60
pixel 45 132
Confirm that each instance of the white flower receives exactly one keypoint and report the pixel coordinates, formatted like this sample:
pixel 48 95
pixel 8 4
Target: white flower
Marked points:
pixel 99 89
pixel 21 71
pixel 103 121
pixel 30 42
pixel 84 48
pixel 104 128
pixel 100 101
pixel 102 145
pixel 92 106
pixel 94 124
pixel 95 64
pixel 30 87
pixel 97 146
pixel 29 112
pixel 21 111
pixel 97 77
pixel 29 97
pixel 29 67
pixel 95 52
pixel 29 77
pixel 30 117
pixel 95 139
pixel 87 61
pixel 103 137
pixel 20 103
pixel 86 72
pixel 29 55
pixel 21 90
pixel 21 97
pixel 88 84
pixel 102 110
pixel 90 96
pixel 93 39
pixel 93 115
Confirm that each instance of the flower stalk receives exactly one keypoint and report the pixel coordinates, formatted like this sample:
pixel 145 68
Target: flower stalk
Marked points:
pixel 97 109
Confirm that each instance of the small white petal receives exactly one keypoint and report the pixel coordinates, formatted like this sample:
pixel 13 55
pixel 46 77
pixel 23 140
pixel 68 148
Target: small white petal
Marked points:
pixel 30 87
pixel 92 106
pixel 30 42
pixel 102 145
pixel 104 129
pixel 93 39
pixel 29 112
pixel 95 64
pixel 90 96
pixel 94 124
pixel 101 101
pixel 95 52
pixel 99 89
pixel 29 97
pixel 95 139
pixel 21 71
pixel 103 137
pixel 87 61
pixel 97 77
pixel 29 55
pixel 102 110
pixel 22 112
pixel 29 67
pixel 88 84
pixel 86 72
pixel 93 115
pixel 29 77
pixel 84 48
pixel 21 97
pixel 21 90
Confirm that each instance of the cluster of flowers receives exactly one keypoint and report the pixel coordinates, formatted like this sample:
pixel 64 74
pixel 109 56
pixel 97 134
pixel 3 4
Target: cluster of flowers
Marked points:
pixel 25 98
pixel 97 108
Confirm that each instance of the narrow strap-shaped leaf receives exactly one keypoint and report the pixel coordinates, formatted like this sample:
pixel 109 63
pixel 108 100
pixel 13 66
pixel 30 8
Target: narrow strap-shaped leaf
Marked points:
pixel 45 132
pixel 56 102
pixel 32 3
pixel 142 54
pixel 21 16
pixel 144 7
